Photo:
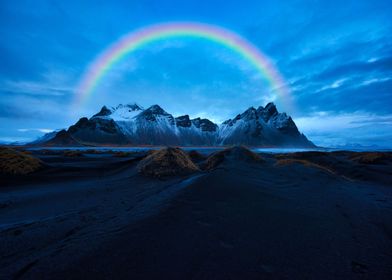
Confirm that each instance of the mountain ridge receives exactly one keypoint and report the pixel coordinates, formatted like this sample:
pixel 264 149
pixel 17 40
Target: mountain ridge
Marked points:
pixel 131 124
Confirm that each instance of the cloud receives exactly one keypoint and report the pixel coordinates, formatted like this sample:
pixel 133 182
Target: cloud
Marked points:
pixel 375 80
pixel 335 84
pixel 14 139
pixel 32 109
pixel 12 112
pixel 43 130
pixel 357 68
pixel 330 121
pixel 370 93
pixel 331 129
pixel 34 88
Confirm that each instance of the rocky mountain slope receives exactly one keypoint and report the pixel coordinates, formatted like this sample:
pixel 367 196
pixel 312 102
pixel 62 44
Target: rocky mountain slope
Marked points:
pixel 130 124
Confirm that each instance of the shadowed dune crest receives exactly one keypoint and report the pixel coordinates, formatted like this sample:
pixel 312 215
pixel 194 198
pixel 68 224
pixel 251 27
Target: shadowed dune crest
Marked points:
pixel 288 161
pixel 371 157
pixel 196 156
pixel 236 153
pixel 349 165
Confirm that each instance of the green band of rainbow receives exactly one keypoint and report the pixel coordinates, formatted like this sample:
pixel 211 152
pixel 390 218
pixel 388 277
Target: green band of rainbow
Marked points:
pixel 139 38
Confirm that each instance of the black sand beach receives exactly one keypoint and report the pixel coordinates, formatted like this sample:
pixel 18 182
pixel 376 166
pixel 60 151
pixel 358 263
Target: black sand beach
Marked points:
pixel 310 215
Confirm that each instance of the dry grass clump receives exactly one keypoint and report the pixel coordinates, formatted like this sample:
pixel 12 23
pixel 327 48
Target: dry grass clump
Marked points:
pixel 235 153
pixel 17 163
pixel 371 157
pixel 166 162
pixel 72 153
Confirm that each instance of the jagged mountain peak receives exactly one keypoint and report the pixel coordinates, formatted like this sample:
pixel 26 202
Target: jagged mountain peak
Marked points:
pixel 155 112
pixel 204 124
pixel 270 106
pixel 156 109
pixel 250 113
pixel 131 106
pixel 183 121
pixel 268 111
pixel 105 111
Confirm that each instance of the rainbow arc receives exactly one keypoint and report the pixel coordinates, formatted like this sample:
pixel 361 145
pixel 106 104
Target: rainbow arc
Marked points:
pixel 141 37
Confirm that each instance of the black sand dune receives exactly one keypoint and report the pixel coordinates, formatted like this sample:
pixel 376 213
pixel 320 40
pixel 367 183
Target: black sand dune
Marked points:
pixel 289 216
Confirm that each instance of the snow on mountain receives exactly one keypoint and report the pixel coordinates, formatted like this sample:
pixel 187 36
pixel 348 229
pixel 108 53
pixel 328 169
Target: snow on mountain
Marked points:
pixel 131 124
pixel 120 113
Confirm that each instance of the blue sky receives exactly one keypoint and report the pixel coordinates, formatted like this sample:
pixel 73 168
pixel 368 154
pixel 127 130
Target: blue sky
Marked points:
pixel 335 55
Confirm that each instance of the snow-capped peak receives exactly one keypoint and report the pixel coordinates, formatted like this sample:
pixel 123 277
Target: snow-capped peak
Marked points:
pixel 121 112
pixel 130 106
pixel 126 112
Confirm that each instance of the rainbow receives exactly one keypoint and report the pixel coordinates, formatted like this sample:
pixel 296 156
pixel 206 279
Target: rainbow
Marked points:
pixel 141 37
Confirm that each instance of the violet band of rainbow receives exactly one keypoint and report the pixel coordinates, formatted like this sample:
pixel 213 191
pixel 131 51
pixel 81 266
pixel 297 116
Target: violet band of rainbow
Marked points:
pixel 141 37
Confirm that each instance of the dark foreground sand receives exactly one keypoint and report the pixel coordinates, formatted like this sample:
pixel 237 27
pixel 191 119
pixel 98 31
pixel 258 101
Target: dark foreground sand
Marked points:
pixel 302 216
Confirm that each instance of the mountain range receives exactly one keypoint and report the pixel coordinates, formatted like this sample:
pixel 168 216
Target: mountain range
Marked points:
pixel 130 124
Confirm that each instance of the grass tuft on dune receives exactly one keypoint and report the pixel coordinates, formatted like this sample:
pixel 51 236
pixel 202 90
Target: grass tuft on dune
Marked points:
pixel 166 162
pixel 18 163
